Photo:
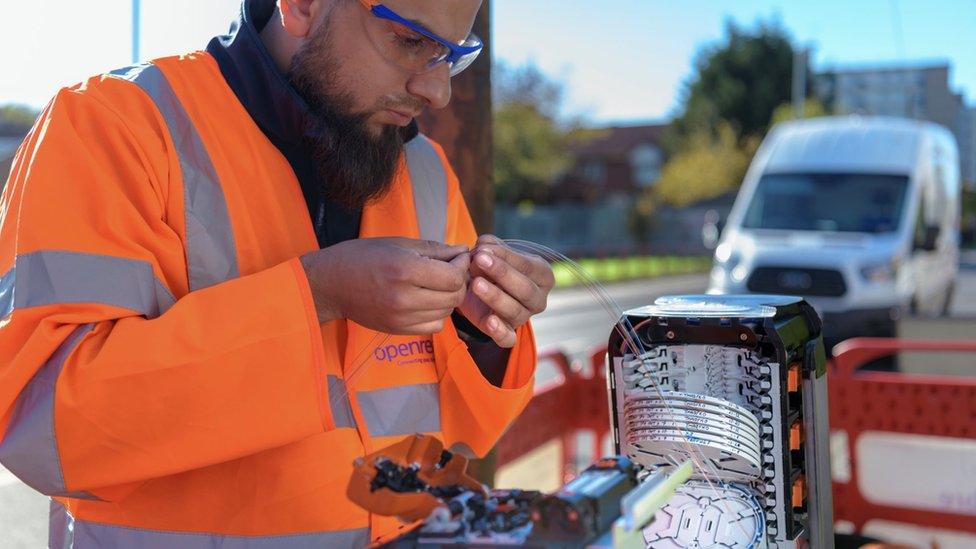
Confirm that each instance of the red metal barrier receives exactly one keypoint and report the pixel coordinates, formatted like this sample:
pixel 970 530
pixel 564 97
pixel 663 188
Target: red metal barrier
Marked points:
pixel 558 412
pixel 862 401
pixel 859 402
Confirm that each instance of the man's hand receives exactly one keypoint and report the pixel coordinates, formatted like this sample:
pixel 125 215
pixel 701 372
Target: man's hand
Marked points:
pixel 507 288
pixel 393 285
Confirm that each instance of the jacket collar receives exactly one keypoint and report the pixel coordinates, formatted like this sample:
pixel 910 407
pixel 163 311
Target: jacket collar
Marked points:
pixel 251 73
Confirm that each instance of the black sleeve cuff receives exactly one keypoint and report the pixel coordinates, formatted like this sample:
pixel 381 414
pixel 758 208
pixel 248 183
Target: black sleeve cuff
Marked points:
pixel 466 331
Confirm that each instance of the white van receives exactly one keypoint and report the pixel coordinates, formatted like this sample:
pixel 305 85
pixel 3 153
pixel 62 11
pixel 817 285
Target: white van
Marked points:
pixel 860 215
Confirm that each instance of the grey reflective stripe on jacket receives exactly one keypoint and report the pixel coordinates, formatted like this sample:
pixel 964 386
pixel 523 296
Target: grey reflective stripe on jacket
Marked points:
pixel 29 447
pixel 429 182
pixel 65 532
pixel 211 255
pixel 53 277
pixel 401 409
pixel 50 277
pixel 339 403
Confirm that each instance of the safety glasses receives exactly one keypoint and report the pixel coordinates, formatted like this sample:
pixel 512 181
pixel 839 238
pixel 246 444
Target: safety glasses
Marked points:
pixel 415 48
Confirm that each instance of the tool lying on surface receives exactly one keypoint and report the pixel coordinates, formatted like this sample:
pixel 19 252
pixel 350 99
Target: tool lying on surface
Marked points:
pixel 417 479
pixel 410 479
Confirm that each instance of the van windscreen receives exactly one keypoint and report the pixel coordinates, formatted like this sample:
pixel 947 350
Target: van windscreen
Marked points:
pixel 865 203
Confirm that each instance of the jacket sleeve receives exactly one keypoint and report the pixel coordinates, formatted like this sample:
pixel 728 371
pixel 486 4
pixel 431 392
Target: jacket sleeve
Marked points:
pixel 475 413
pixel 107 379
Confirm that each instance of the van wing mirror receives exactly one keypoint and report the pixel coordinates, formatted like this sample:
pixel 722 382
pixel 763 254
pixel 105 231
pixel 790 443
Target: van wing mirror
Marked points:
pixel 928 240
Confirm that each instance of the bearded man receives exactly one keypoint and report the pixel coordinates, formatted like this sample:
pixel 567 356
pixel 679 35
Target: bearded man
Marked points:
pixel 226 275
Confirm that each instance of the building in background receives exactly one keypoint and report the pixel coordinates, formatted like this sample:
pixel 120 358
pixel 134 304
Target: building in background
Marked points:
pixel 916 91
pixel 592 203
pixel 966 135
pixel 620 161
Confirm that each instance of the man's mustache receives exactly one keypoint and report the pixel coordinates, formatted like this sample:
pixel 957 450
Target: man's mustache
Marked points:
pixel 405 105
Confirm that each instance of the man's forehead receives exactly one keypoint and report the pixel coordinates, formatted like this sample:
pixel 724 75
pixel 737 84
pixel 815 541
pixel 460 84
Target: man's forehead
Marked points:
pixel 450 19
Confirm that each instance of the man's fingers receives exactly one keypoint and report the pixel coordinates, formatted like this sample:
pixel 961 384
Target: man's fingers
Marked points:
pixel 423 299
pixel 490 239
pixel 423 328
pixel 434 249
pixel 462 261
pixel 511 280
pixel 517 260
pixel 435 274
pixel 533 266
pixel 422 317
pixel 503 305
pixel 502 334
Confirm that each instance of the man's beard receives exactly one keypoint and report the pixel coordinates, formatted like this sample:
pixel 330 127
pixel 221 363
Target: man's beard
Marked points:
pixel 353 165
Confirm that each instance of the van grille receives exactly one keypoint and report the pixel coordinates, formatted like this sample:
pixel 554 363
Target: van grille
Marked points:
pixel 797 281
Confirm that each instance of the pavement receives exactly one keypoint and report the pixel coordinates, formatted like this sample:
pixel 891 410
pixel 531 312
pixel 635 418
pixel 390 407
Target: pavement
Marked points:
pixel 575 322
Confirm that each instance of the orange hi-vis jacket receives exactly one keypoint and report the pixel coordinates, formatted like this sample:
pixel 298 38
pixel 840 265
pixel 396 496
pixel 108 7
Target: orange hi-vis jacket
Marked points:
pixel 163 375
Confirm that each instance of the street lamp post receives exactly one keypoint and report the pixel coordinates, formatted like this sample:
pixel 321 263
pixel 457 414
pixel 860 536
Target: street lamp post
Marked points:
pixel 135 31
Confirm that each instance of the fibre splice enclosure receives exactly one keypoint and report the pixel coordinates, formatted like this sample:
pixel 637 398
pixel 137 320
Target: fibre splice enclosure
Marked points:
pixel 738 385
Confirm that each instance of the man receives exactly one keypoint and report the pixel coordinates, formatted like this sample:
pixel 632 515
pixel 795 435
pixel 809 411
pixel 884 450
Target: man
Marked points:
pixel 194 344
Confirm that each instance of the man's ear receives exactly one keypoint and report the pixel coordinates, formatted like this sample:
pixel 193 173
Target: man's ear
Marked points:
pixel 298 16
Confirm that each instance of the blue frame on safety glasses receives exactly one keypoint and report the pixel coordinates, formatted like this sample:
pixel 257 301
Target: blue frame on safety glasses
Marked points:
pixel 458 56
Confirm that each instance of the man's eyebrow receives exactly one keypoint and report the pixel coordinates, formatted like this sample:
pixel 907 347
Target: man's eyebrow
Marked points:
pixel 427 28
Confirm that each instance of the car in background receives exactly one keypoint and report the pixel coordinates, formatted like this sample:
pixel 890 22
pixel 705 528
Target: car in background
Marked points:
pixel 860 215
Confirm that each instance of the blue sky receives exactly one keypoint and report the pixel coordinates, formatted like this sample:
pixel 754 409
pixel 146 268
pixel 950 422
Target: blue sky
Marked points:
pixel 620 59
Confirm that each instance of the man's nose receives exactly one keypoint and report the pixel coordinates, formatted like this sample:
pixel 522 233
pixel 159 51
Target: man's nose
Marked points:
pixel 434 86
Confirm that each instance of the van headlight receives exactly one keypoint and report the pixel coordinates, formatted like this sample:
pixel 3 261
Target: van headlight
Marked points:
pixel 880 272
pixel 726 257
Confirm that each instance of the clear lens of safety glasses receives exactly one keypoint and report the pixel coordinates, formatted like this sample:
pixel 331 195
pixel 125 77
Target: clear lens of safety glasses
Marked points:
pixel 465 60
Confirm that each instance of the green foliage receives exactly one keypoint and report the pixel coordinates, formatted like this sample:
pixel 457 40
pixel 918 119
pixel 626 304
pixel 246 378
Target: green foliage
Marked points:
pixel 640 217
pixel 617 269
pixel 740 88
pixel 812 108
pixel 16 118
pixel 740 81
pixel 707 166
pixel 530 143
pixel 529 149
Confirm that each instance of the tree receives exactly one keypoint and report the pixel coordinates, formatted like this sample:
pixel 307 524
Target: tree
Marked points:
pixel 16 120
pixel 709 165
pixel 739 81
pixel 529 139
pixel 740 88
pixel 812 108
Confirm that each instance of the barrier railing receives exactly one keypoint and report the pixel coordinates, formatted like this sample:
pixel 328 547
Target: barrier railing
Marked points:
pixel 880 421
pixel 876 404
pixel 559 410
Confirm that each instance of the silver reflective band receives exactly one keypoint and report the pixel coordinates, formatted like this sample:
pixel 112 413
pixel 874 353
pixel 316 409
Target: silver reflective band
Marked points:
pixel 30 447
pixel 69 533
pixel 339 403
pixel 7 291
pixel 55 277
pixel 429 182
pixel 401 410
pixel 211 255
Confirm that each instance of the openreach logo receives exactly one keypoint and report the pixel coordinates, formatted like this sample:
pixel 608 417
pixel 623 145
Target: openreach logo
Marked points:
pixel 406 352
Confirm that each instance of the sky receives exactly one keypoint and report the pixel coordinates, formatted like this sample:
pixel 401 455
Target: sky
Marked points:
pixel 620 60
